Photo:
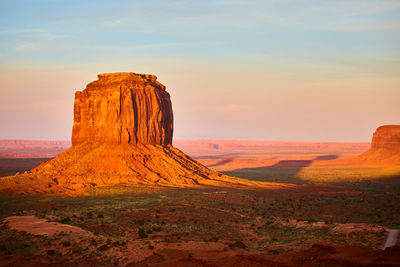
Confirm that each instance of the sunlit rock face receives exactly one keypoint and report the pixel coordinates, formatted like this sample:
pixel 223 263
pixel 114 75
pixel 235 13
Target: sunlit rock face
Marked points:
pixel 123 108
pixel 385 146
pixel 387 137
pixel 122 134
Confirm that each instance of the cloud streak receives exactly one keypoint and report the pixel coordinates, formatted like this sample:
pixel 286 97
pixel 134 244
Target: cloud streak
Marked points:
pixel 28 47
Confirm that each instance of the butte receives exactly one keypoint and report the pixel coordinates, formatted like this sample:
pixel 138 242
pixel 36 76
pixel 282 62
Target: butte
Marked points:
pixel 385 146
pixel 122 134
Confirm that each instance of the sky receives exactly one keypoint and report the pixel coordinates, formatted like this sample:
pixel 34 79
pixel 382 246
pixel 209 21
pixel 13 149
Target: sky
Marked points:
pixel 315 70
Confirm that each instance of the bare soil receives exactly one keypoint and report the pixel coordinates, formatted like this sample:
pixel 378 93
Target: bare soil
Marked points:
pixel 338 214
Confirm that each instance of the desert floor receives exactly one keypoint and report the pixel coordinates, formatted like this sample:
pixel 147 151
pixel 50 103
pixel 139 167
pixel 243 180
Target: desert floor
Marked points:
pixel 338 213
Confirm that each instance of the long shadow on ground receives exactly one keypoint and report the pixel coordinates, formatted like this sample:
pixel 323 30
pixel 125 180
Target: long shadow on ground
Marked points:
pixel 284 171
pixel 10 166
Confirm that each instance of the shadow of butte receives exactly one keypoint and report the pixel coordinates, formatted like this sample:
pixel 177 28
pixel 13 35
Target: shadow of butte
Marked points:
pixel 288 168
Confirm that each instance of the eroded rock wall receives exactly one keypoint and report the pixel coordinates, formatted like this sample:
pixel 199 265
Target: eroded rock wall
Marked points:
pixel 387 137
pixel 122 134
pixel 125 108
pixel 385 146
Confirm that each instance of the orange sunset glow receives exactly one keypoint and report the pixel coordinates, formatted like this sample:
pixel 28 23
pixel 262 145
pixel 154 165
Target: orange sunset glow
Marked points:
pixel 200 133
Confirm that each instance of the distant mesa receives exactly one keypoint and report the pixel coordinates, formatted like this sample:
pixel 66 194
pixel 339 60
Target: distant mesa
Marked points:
pixel 387 137
pixel 122 134
pixel 385 145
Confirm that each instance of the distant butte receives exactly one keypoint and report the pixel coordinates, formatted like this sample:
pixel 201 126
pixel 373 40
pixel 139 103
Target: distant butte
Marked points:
pixel 385 145
pixel 122 134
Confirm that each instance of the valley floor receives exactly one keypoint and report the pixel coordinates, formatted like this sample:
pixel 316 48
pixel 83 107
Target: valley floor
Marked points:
pixel 338 214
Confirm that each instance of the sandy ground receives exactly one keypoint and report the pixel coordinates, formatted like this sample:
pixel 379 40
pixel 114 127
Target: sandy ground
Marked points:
pixel 37 226
pixel 196 252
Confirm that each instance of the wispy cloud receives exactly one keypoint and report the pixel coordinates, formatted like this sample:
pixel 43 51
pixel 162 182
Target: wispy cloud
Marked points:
pixel 114 23
pixel 28 47
pixel 338 15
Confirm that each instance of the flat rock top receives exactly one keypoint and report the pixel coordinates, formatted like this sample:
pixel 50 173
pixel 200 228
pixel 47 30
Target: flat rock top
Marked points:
pixel 114 80
pixel 389 129
pixel 126 76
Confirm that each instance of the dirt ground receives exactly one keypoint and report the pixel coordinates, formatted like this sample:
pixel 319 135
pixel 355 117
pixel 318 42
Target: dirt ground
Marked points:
pixel 337 214
pixel 36 226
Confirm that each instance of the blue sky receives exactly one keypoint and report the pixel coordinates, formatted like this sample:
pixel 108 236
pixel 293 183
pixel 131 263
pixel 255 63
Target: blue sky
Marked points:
pixel 270 42
pixel 48 32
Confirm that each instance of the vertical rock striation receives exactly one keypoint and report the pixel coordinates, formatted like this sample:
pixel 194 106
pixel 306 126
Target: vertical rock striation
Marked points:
pixel 124 108
pixel 122 134
pixel 385 145
pixel 387 137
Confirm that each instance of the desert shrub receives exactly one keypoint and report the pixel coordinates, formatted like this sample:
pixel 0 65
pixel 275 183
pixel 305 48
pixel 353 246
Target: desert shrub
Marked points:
pixel 66 243
pixel 237 244
pixel 311 220
pixel 142 233
pixel 119 243
pixel 273 251
pixel 66 220
pixel 269 222
pixel 51 252
pixel 103 247
pixel 139 222
pixel 214 239
pixel 4 250
pixel 157 228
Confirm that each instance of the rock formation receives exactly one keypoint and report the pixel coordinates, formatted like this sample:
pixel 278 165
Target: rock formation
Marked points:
pixel 122 134
pixel 385 145
pixel 123 108
pixel 387 137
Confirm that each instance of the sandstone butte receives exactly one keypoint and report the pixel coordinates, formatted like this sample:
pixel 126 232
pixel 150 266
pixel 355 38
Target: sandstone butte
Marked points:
pixel 385 145
pixel 122 134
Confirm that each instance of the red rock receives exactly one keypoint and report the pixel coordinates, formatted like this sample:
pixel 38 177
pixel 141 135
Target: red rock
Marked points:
pixel 387 137
pixel 122 134
pixel 385 145
pixel 125 108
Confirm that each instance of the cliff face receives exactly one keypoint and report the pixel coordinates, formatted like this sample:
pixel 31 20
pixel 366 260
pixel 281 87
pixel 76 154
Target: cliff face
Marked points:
pixel 126 108
pixel 385 145
pixel 122 134
pixel 387 137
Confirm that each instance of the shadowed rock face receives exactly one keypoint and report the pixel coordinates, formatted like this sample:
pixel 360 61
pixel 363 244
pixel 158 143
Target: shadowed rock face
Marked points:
pixel 123 108
pixel 387 137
